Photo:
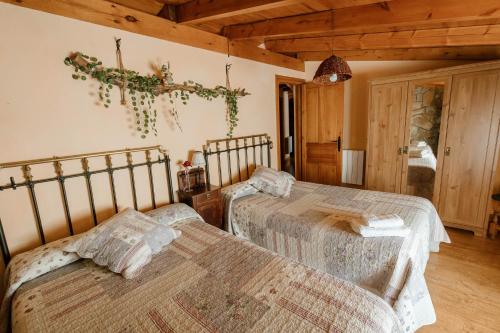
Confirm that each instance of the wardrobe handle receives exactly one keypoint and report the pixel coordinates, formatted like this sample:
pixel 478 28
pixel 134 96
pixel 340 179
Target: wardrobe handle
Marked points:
pixel 405 150
pixel 447 151
pixel 400 151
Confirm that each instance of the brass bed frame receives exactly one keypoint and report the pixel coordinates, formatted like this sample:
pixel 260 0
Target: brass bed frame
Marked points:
pixel 30 182
pixel 260 144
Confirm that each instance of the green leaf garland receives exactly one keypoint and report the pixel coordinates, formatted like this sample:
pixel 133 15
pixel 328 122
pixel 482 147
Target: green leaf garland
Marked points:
pixel 144 91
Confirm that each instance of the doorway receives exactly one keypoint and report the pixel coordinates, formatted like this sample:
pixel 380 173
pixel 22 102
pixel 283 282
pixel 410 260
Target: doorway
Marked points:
pixel 288 121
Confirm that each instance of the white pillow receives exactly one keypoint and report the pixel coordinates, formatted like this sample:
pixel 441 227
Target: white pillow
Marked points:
pixel 276 183
pixel 173 213
pixel 124 243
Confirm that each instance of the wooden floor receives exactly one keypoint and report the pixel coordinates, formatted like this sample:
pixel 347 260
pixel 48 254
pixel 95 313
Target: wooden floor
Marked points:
pixel 464 282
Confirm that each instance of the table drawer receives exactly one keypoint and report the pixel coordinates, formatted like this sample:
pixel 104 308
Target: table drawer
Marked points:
pixel 211 213
pixel 207 198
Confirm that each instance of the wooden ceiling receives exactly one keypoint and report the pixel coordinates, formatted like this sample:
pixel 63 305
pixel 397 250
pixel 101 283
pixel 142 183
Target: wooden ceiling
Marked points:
pixel 356 29
pixel 295 30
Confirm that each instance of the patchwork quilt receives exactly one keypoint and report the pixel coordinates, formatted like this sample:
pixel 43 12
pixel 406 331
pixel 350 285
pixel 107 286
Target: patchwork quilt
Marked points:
pixel 205 281
pixel 312 226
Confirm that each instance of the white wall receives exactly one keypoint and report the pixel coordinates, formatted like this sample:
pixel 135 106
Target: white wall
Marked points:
pixel 44 112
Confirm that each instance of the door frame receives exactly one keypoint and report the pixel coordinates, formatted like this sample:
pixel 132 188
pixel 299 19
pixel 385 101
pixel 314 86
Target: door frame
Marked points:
pixel 297 82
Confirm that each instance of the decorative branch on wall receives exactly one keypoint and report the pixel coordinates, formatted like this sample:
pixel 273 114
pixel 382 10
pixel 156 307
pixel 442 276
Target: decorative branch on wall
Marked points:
pixel 144 90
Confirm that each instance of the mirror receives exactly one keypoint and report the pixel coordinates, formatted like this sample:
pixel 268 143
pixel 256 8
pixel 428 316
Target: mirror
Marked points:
pixel 425 121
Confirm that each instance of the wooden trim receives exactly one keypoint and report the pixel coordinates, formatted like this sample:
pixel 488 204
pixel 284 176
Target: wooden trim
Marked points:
pixel 119 17
pixel 279 80
pixel 369 129
pixel 431 53
pixel 461 36
pixel 391 16
pixel 302 142
pixel 298 130
pixel 289 79
pixel 245 50
pixel 477 231
pixel 469 68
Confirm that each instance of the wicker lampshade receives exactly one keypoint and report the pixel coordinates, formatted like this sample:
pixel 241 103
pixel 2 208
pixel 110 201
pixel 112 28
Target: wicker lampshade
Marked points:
pixel 332 70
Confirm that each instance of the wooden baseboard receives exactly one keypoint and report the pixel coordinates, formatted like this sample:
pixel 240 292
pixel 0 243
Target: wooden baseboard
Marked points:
pixel 480 232
pixel 361 187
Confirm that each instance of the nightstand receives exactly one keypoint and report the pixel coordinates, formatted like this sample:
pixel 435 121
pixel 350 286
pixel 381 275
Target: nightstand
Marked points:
pixel 206 201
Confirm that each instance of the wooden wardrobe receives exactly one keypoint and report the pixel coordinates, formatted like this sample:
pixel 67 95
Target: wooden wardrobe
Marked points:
pixel 457 111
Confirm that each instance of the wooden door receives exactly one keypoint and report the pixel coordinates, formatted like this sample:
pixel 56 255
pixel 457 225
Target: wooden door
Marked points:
pixel 469 149
pixel 386 123
pixel 322 124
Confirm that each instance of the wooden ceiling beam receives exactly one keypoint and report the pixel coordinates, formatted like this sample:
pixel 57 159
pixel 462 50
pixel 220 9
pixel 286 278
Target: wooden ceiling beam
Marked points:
pixel 383 17
pixel 197 11
pixel 116 16
pixel 148 6
pixel 436 53
pixel 462 36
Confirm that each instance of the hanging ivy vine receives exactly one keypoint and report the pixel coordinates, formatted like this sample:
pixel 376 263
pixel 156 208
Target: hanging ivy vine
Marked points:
pixel 144 91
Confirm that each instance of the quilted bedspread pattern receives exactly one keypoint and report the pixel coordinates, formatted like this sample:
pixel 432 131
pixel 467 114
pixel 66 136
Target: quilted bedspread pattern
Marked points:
pixel 205 281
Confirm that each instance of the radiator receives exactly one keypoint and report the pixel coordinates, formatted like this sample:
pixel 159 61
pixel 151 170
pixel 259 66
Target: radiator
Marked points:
pixel 353 165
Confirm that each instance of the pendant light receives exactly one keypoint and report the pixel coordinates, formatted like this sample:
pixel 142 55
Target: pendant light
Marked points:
pixel 332 70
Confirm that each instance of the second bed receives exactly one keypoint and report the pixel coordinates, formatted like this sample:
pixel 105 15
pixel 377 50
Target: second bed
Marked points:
pixel 312 226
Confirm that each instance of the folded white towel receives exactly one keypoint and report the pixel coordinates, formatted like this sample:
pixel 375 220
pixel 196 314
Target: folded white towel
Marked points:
pixel 426 152
pixel 420 153
pixel 382 221
pixel 415 153
pixel 418 144
pixel 421 144
pixel 380 232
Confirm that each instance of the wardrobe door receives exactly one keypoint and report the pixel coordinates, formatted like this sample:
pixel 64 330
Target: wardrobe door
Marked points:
pixel 425 135
pixel 386 122
pixel 469 150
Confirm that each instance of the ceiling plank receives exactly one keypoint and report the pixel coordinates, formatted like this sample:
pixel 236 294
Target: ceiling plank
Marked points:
pixel 462 36
pixel 198 11
pixel 436 53
pixel 148 6
pixel 116 16
pixel 388 16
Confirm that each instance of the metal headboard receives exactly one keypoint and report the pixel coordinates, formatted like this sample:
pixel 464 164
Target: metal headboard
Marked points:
pixel 235 147
pixel 30 182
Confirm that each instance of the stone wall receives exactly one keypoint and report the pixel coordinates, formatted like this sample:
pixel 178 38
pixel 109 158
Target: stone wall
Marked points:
pixel 426 115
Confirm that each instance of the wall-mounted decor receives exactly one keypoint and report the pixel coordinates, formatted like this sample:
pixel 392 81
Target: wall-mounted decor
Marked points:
pixel 144 89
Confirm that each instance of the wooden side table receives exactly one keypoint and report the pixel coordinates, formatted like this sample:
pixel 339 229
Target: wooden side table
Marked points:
pixel 206 201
